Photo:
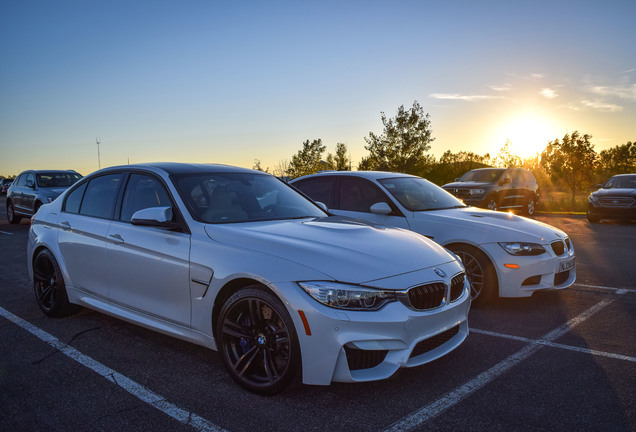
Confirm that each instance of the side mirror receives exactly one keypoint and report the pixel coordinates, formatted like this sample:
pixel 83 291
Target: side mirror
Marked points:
pixel 381 208
pixel 322 206
pixel 160 217
pixel 598 186
pixel 457 179
pixel 29 183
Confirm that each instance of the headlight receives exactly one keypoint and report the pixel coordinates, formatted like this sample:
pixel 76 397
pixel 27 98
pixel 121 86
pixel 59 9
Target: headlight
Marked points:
pixel 522 249
pixel 351 297
pixel 593 199
pixel 477 191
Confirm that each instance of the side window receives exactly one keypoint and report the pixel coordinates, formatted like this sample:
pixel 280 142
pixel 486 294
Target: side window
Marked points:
pixel 142 192
pixel 359 195
pixel 318 189
pixel 74 199
pixel 30 177
pixel 21 180
pixel 100 195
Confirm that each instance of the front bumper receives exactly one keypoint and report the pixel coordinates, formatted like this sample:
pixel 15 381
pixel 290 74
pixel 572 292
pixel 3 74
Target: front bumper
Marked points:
pixel 356 346
pixel 600 212
pixel 540 272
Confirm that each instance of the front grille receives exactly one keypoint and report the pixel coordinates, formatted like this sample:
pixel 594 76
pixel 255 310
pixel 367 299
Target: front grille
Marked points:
pixel 558 247
pixel 457 286
pixel 617 202
pixel 560 278
pixel 433 342
pixel 364 359
pixel 427 296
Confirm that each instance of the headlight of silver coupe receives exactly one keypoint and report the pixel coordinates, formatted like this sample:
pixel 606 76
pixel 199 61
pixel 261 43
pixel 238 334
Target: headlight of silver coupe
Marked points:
pixel 522 249
pixel 350 297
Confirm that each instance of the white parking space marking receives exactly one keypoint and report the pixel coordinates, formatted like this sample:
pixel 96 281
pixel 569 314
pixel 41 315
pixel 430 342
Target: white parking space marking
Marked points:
pixel 555 345
pixel 157 401
pixel 455 396
pixel 2 232
pixel 617 290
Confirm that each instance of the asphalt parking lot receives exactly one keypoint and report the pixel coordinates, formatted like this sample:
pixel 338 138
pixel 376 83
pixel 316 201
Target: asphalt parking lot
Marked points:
pixel 558 360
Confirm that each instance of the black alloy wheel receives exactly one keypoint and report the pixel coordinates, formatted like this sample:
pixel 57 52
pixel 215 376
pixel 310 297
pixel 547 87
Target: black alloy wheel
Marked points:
pixel 258 341
pixel 530 206
pixel 480 272
pixel 11 216
pixel 50 290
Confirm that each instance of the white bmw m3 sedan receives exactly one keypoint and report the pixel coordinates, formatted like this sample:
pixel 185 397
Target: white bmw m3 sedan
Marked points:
pixel 238 261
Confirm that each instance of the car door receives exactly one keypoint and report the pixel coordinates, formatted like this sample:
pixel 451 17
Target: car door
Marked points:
pixel 355 196
pixel 86 216
pixel 148 266
pixel 28 194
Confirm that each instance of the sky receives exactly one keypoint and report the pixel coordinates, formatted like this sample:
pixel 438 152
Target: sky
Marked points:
pixel 232 82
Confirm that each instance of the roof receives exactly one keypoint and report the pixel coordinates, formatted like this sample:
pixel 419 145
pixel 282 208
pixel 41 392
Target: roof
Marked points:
pixel 183 168
pixel 375 175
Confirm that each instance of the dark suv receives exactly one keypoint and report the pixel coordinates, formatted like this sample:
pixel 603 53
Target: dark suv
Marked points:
pixel 31 189
pixel 497 189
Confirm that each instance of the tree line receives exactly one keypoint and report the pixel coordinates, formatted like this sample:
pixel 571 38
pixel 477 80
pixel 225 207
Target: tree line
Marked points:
pixel 569 163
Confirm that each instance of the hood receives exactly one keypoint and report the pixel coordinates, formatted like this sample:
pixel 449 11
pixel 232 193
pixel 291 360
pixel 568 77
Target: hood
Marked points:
pixel 343 249
pixel 488 226
pixel 618 192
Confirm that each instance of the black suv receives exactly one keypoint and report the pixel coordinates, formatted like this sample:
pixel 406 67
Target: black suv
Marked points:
pixel 497 189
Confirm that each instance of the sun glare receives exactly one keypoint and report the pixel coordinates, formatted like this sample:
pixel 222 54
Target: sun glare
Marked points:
pixel 528 134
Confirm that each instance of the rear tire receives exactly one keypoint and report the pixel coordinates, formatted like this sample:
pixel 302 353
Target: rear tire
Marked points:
pixel 50 290
pixel 258 342
pixel 11 216
pixel 480 272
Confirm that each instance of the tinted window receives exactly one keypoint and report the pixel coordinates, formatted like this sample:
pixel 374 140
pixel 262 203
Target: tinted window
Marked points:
pixel 30 177
pixel 57 179
pixel 143 192
pixel 319 189
pixel 100 195
pixel 74 199
pixel 359 195
pixel 417 194
pixel 482 175
pixel 241 197
pixel 21 180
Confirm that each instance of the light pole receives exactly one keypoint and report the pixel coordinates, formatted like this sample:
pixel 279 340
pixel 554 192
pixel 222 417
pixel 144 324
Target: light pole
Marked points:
pixel 99 163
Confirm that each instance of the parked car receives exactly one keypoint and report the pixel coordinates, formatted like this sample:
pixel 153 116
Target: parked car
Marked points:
pixel 31 189
pixel 504 254
pixel 4 185
pixel 497 189
pixel 237 260
pixel 616 199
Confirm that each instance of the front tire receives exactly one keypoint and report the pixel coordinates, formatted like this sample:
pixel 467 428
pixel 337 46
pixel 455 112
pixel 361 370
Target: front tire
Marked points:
pixel 480 272
pixel 50 290
pixel 258 342
pixel 11 216
pixel 593 219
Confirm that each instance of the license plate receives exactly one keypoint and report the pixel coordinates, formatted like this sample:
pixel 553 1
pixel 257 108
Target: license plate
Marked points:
pixel 566 265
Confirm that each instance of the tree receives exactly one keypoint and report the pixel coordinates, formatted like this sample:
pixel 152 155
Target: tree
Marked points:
pixel 571 160
pixel 506 158
pixel 340 161
pixel 307 160
pixel 281 169
pixel 617 160
pixel 257 166
pixel 402 145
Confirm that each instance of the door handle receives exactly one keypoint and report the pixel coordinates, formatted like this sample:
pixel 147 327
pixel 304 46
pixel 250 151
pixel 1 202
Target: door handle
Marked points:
pixel 116 239
pixel 65 225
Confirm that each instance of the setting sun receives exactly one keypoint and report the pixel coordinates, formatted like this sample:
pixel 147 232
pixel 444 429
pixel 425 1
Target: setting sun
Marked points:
pixel 528 134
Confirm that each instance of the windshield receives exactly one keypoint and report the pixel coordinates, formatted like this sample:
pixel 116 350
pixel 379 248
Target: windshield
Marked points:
pixel 622 182
pixel 242 197
pixel 482 175
pixel 57 179
pixel 417 194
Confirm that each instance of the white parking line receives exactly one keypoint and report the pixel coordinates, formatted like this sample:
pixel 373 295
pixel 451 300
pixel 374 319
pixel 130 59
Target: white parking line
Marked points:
pixel 555 345
pixel 618 290
pixel 2 232
pixel 455 396
pixel 185 417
